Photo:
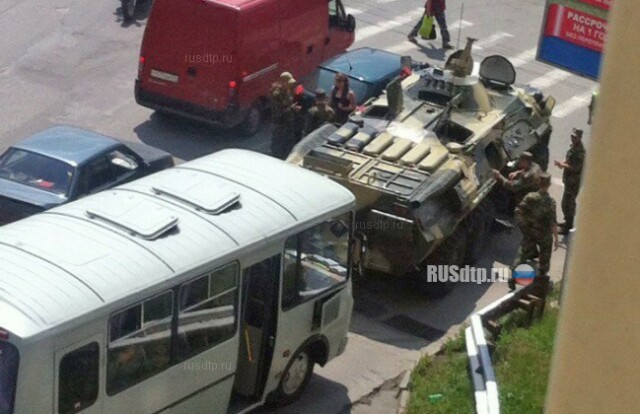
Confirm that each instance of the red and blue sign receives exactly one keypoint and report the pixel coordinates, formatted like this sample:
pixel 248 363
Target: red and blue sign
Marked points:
pixel 574 35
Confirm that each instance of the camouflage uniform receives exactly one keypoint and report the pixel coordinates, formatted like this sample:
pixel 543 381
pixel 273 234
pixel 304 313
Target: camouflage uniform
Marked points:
pixel 318 116
pixel 526 182
pixel 282 117
pixel 536 220
pixel 571 179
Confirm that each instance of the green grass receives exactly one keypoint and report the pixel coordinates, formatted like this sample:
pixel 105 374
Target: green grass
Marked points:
pixel 521 360
pixel 444 374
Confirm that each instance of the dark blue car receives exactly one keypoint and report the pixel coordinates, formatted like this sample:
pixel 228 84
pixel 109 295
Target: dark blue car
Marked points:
pixel 369 71
pixel 61 164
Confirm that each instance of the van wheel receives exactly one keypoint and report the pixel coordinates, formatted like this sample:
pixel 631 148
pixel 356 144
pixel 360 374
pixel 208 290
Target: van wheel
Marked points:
pixel 294 380
pixel 128 9
pixel 252 122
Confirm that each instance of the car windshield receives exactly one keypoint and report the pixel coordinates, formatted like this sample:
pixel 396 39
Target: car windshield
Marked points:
pixel 8 376
pixel 36 170
pixel 324 78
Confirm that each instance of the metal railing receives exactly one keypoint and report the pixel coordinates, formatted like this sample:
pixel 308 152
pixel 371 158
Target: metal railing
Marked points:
pixel 481 369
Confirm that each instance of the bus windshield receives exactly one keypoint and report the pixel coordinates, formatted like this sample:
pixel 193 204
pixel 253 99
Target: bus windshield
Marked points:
pixel 8 376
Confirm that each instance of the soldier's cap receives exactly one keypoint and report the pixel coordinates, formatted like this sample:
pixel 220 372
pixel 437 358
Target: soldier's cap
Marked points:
pixel 544 179
pixel 577 132
pixel 287 77
pixel 320 94
pixel 526 156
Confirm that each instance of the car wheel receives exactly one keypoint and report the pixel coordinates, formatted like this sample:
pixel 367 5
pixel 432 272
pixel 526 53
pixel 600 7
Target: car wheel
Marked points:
pixel 295 378
pixel 128 9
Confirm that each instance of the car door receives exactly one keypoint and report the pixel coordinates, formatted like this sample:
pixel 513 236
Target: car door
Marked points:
pixel 106 171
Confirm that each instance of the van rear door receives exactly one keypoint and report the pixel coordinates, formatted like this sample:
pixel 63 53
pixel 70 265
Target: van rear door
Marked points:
pixel 188 52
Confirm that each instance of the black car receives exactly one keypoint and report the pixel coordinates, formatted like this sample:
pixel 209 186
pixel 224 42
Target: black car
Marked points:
pixel 62 163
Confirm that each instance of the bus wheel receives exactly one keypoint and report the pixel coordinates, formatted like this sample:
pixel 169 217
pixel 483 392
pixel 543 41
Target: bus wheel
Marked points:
pixel 295 378
pixel 252 122
pixel 128 9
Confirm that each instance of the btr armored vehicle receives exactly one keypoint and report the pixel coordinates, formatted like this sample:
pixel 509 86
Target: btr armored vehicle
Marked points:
pixel 419 159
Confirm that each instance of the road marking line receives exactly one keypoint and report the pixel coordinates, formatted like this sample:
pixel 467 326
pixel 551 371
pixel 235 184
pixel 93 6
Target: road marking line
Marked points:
pixel 524 57
pixel 572 104
pixel 376 29
pixel 491 40
pixel 551 78
pixel 407 46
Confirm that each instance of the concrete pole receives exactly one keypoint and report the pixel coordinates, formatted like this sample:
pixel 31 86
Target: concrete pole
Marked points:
pixel 596 365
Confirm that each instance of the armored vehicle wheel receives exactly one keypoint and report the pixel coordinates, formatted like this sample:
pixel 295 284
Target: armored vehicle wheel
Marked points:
pixel 451 252
pixel 478 226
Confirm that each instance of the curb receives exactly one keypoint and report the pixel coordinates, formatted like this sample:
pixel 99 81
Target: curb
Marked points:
pixel 404 392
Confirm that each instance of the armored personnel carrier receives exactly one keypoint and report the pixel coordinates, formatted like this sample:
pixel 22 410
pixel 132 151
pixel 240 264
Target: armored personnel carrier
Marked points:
pixel 419 159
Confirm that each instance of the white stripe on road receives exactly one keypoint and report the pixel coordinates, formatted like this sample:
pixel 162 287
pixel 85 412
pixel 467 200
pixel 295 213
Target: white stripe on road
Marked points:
pixel 551 78
pixel 524 57
pixel 492 40
pixel 572 104
pixel 407 46
pixel 376 29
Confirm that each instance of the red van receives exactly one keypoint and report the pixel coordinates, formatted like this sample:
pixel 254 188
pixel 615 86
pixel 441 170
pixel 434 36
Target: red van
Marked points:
pixel 215 60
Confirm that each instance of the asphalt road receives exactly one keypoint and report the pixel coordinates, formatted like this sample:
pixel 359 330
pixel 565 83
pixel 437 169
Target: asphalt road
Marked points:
pixel 74 62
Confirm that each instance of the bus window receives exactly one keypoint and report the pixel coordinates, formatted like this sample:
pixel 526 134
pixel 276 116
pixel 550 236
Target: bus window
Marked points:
pixel 8 376
pixel 140 339
pixel 316 260
pixel 78 381
pixel 208 308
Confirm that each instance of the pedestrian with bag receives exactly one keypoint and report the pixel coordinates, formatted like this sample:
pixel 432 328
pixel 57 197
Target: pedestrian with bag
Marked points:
pixel 435 8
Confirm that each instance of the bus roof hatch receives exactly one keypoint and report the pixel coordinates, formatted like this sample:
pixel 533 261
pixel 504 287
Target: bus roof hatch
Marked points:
pixel 135 215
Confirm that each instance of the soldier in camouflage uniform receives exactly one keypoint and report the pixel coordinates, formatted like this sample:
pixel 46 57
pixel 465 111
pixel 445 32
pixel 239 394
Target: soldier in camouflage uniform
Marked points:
pixel 536 216
pixel 283 111
pixel 320 113
pixel 523 181
pixel 571 175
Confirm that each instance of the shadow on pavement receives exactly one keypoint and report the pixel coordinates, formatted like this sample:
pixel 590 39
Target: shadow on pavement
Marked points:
pixel 391 310
pixel 187 140
pixel 431 51
pixel 310 403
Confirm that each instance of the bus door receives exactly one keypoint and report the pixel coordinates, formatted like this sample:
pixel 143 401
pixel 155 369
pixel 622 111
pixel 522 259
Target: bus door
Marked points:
pixel 258 328
pixel 77 378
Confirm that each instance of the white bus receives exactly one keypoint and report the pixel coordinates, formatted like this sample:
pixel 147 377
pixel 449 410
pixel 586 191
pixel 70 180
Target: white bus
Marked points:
pixel 212 287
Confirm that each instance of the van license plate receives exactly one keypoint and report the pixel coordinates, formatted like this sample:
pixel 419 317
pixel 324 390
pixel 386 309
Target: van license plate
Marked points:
pixel 164 76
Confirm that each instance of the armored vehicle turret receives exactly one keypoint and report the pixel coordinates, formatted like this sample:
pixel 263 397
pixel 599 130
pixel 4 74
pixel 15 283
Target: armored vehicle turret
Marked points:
pixel 419 159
